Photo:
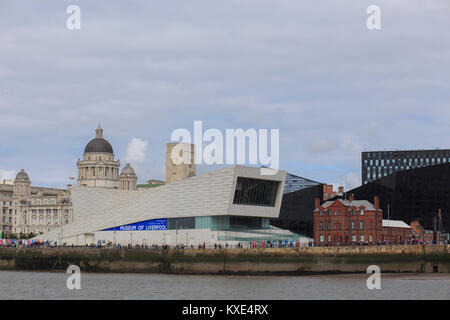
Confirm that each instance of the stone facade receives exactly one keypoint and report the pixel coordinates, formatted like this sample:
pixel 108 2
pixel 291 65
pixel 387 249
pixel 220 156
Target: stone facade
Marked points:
pixel 180 171
pixel 26 209
pixel 128 178
pixel 6 207
pixel 98 167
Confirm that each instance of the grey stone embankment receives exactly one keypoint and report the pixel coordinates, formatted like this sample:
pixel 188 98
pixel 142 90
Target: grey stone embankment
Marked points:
pixel 288 261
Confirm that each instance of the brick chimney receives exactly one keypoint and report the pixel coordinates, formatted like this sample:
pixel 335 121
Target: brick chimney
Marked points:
pixel 316 203
pixel 350 198
pixel 376 202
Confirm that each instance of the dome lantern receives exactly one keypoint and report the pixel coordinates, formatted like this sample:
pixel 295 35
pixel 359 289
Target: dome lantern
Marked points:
pixel 98 144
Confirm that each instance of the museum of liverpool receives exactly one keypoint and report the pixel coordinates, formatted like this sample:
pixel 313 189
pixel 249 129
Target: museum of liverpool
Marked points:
pixel 232 205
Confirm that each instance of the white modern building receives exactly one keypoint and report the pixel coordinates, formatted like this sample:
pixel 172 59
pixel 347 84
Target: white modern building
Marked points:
pixel 231 205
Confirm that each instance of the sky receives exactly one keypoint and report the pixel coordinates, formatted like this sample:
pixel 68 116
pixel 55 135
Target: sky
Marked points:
pixel 311 69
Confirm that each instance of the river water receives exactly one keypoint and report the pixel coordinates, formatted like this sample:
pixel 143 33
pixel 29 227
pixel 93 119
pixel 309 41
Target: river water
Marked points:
pixel 52 285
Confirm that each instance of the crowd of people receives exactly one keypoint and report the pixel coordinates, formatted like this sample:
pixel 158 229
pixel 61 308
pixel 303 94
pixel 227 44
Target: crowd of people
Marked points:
pixel 20 243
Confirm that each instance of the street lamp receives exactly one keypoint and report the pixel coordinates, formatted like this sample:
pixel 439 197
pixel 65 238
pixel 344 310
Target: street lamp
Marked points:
pixel 176 234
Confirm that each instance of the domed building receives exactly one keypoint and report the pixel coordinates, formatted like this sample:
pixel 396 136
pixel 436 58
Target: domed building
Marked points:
pixel 29 209
pixel 99 169
pixel 22 185
pixel 128 178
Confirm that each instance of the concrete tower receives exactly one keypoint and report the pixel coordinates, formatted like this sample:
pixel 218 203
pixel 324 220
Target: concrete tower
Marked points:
pixel 180 161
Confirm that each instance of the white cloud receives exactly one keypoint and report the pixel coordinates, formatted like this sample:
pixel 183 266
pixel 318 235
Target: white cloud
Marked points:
pixel 136 155
pixel 136 151
pixel 314 72
pixel 7 174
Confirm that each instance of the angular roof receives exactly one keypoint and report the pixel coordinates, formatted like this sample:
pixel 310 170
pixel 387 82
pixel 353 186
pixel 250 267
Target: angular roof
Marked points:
pixel 303 178
pixel 354 203
pixel 395 224
pixel 209 194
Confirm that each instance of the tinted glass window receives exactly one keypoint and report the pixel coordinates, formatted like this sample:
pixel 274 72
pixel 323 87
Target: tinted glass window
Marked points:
pixel 256 192
pixel 237 222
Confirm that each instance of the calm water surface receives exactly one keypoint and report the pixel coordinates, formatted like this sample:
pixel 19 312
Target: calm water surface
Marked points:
pixel 48 285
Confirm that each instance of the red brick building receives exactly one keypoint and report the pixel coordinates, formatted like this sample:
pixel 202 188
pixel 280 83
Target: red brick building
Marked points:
pixel 328 191
pixel 420 233
pixel 347 221
pixel 396 232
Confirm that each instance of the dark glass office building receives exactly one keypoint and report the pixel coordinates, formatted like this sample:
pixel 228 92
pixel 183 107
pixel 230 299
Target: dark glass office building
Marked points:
pixel 414 194
pixel 296 212
pixel 378 164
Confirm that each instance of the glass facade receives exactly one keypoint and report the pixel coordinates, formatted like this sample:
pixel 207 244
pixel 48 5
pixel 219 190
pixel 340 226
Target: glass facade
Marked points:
pixel 255 192
pixel 205 222
pixel 296 213
pixel 415 194
pixel 378 164
pixel 181 223
pixel 231 222
pixel 295 183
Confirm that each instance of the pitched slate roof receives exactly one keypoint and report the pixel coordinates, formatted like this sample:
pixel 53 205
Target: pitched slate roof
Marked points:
pixel 395 224
pixel 355 203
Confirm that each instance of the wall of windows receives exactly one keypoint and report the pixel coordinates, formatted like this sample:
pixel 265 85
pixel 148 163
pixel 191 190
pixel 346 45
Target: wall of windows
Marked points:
pixel 294 183
pixel 255 192
pixel 219 223
pixel 378 164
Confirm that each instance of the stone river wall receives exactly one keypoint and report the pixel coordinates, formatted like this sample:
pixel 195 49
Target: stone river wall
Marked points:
pixel 287 261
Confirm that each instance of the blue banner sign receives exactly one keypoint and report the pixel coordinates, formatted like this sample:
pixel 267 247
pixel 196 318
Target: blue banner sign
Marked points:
pixel 147 225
